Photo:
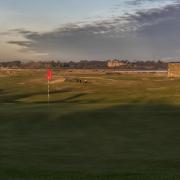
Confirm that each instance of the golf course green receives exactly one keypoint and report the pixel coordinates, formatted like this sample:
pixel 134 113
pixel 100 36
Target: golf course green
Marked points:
pixel 114 127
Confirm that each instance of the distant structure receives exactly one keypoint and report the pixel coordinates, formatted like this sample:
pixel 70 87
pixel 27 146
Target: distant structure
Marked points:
pixel 113 63
pixel 173 70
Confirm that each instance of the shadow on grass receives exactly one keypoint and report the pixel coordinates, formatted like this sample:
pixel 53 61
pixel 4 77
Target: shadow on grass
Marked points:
pixel 76 98
pixel 2 92
pixel 128 142
pixel 9 98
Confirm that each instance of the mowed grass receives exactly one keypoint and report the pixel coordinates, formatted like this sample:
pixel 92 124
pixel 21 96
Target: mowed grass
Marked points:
pixel 114 127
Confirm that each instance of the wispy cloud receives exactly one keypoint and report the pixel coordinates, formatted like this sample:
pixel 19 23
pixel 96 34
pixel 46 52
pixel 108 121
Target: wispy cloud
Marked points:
pixel 139 2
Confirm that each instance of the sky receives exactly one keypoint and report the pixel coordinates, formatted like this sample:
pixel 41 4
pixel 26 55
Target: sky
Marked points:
pixel 89 29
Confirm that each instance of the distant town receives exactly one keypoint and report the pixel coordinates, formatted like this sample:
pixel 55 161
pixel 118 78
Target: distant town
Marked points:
pixel 85 64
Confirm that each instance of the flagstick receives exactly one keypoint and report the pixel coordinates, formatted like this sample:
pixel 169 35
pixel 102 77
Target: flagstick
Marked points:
pixel 48 92
pixel 49 77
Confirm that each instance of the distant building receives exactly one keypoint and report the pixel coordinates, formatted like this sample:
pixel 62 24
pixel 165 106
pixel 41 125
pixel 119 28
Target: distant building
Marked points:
pixel 113 63
pixel 174 70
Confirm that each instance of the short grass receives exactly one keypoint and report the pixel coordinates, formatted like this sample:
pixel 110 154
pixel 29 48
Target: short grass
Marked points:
pixel 114 127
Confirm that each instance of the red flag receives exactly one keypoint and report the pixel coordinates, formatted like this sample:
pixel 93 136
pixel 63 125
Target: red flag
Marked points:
pixel 49 75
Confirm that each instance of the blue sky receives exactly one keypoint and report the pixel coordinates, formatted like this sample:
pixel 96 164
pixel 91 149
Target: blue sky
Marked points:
pixel 81 29
pixel 52 13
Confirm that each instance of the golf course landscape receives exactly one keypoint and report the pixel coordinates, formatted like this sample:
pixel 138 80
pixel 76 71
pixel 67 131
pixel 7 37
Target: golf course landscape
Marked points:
pixel 97 126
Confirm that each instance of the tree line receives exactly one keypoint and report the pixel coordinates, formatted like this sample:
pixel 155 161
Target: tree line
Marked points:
pixel 84 64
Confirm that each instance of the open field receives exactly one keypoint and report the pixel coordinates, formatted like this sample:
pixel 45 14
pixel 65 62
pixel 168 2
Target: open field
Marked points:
pixel 114 127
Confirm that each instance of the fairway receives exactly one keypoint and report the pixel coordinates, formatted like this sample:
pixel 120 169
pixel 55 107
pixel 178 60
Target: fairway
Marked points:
pixel 114 127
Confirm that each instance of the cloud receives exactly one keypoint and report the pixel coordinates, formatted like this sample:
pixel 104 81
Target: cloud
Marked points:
pixel 162 30
pixel 140 2
pixel 145 34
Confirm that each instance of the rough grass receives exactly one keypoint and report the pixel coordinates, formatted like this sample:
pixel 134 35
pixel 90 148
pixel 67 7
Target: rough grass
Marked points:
pixel 115 127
